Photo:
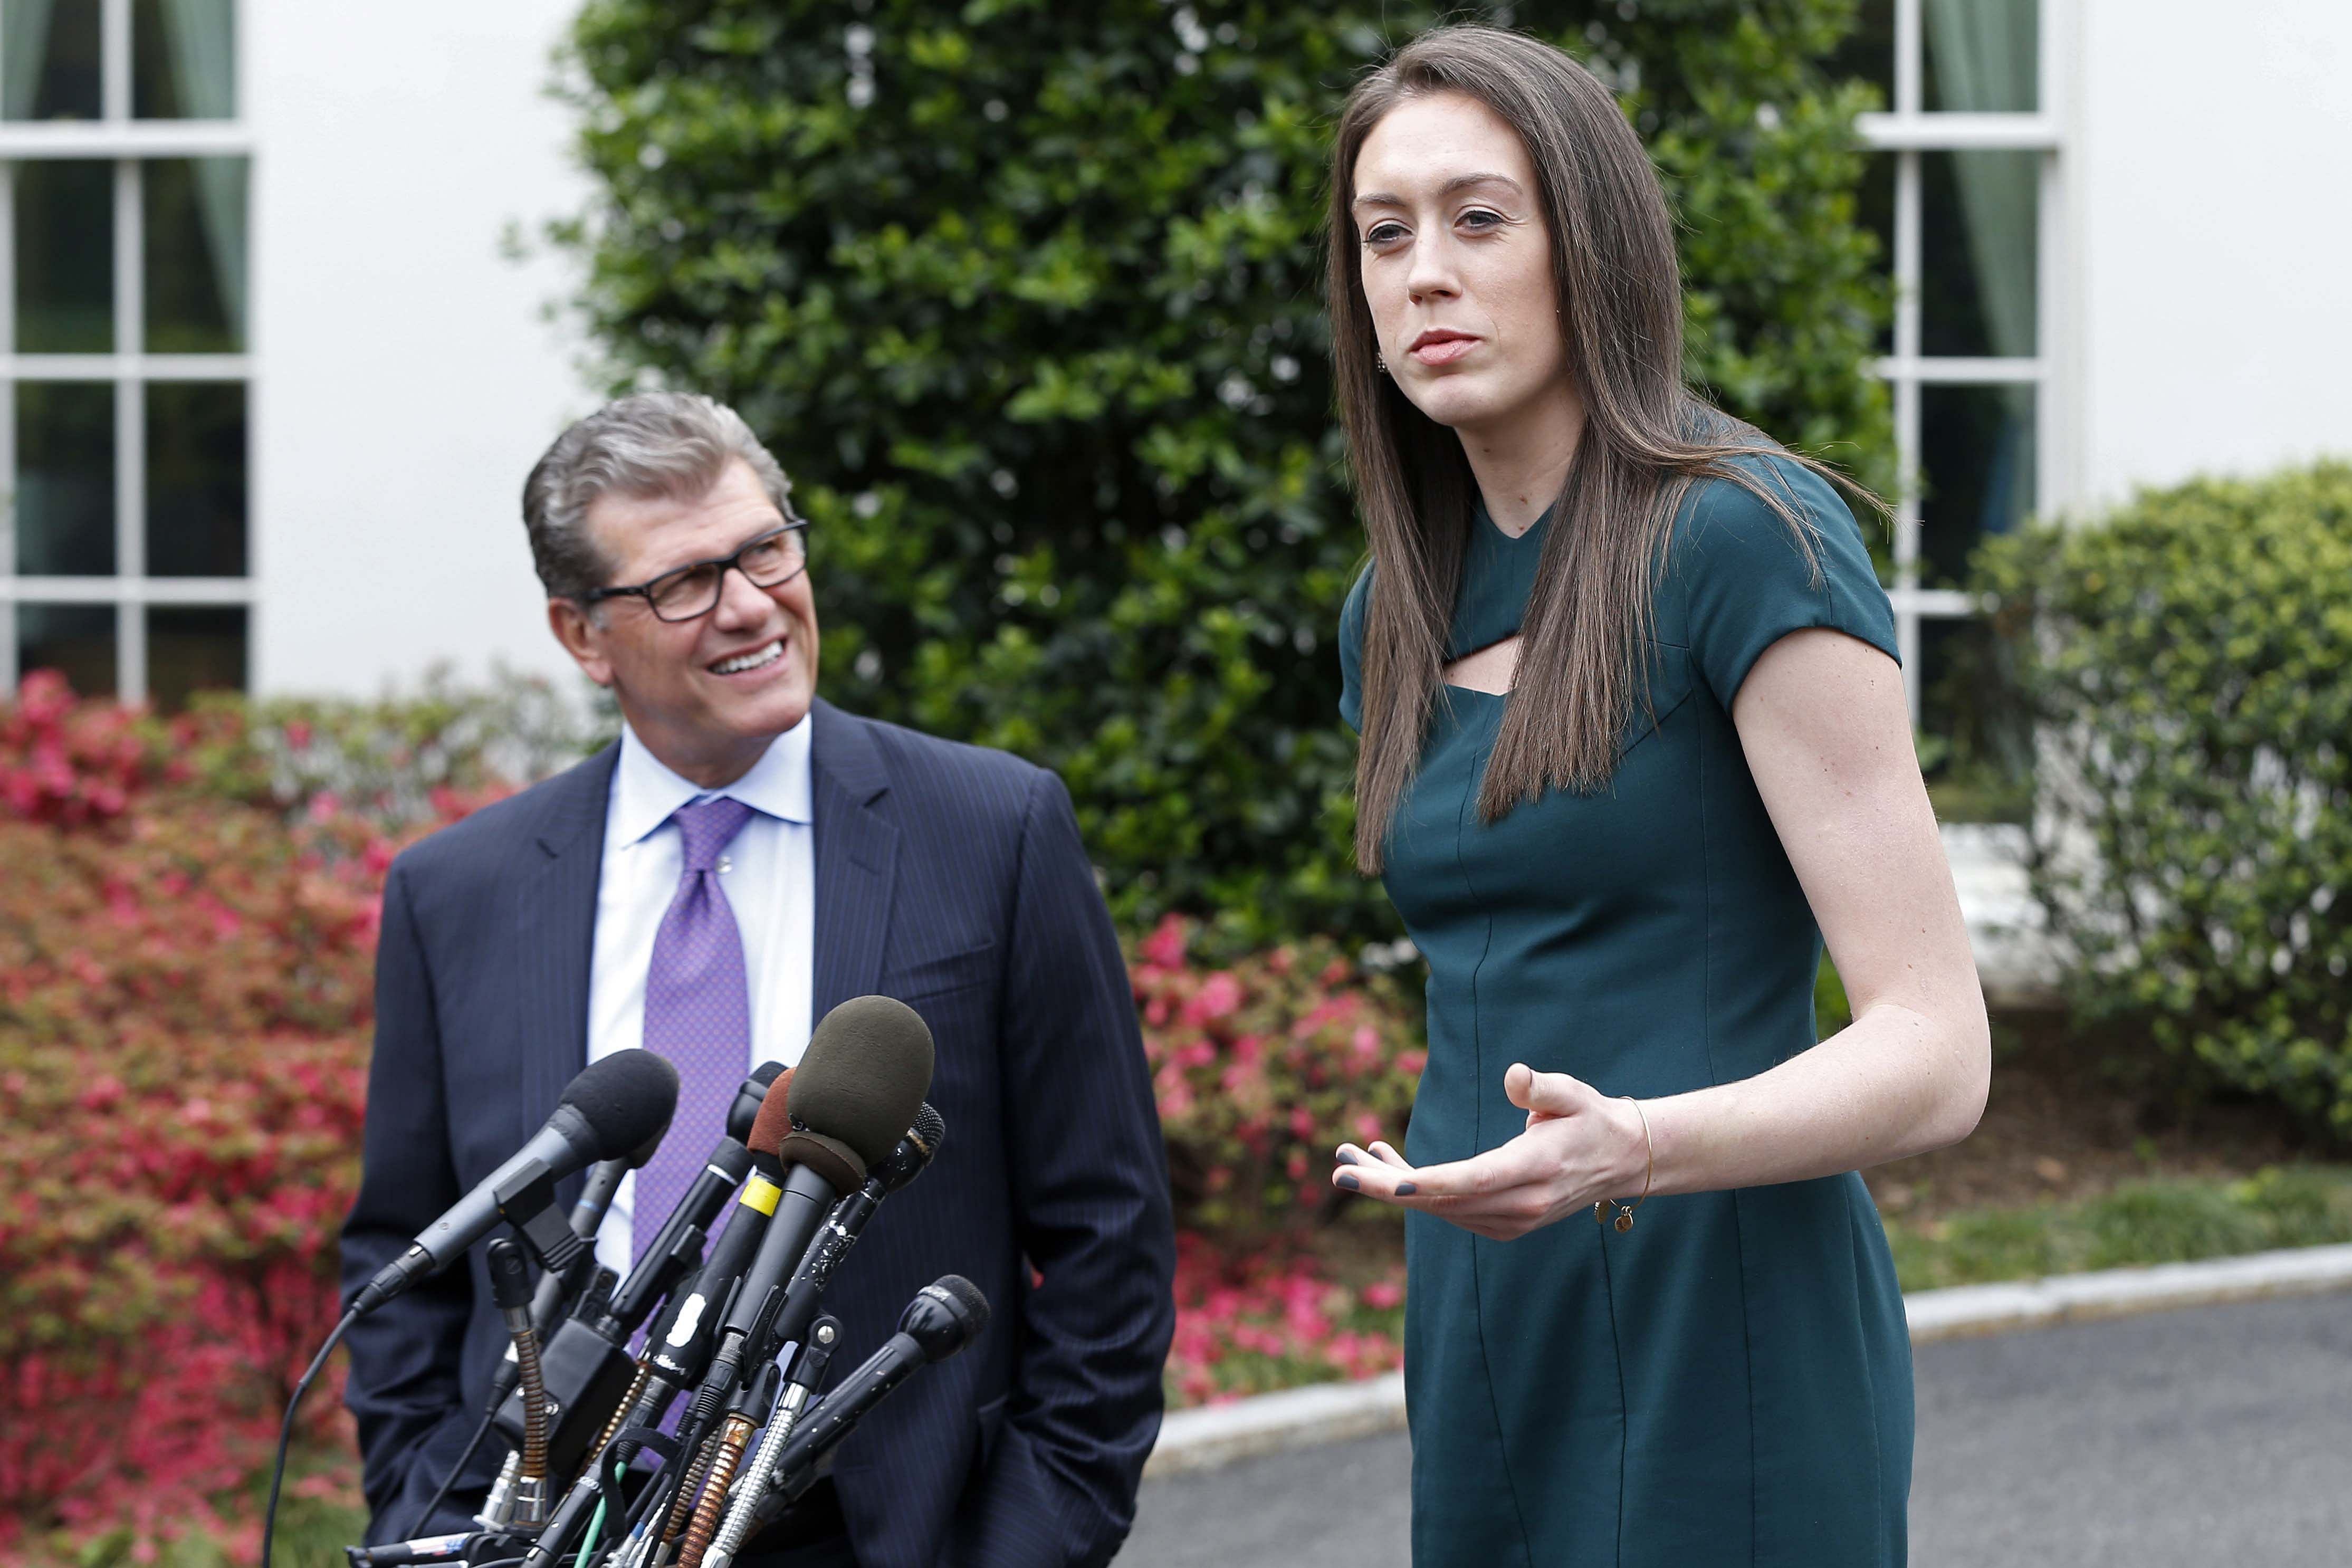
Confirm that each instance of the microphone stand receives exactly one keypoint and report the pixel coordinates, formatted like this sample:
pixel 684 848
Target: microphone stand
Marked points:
pixel 755 1504
pixel 510 1292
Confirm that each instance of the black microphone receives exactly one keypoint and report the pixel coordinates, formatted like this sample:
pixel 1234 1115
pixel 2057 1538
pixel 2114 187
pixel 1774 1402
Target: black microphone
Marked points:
pixel 678 1353
pixel 751 1094
pixel 941 1319
pixel 598 1373
pixel 652 1276
pixel 860 1082
pixel 856 1086
pixel 558 1284
pixel 841 1230
pixel 606 1113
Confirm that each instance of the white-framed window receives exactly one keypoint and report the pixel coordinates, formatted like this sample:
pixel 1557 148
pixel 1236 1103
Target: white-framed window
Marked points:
pixel 1964 190
pixel 126 552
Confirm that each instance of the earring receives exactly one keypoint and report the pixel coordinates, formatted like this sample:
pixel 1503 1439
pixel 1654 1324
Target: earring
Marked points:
pixel 1379 362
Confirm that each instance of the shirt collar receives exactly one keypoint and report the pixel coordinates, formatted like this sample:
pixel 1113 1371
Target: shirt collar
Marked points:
pixel 646 793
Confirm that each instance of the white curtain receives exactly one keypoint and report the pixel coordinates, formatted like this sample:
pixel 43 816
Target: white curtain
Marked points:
pixel 1987 59
pixel 23 49
pixel 203 36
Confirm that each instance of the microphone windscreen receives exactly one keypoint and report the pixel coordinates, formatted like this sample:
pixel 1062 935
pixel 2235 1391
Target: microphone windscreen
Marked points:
pixel 864 1075
pixel 625 1098
pixel 749 1095
pixel 967 1295
pixel 775 1118
pixel 945 1316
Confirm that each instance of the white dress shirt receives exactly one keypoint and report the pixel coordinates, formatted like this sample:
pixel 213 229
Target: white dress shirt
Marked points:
pixel 768 874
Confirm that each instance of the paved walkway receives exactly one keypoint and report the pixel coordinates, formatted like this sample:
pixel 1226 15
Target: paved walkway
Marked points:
pixel 2186 1439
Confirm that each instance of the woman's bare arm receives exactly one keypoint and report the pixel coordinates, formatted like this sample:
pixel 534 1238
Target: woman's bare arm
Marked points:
pixel 1822 720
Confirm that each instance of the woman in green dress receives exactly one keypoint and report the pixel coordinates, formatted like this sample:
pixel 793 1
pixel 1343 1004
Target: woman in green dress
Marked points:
pixel 1633 741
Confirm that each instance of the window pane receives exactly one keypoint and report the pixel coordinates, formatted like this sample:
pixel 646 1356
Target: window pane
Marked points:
pixel 1977 461
pixel 64 479
pixel 76 640
pixel 183 59
pixel 193 648
pixel 1976 749
pixel 1976 239
pixel 1868 52
pixel 65 257
pixel 195 478
pixel 49 53
pixel 1983 56
pixel 1873 211
pixel 195 246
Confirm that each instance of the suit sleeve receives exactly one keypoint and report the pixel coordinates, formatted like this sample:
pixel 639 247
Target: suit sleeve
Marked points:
pixel 403 1387
pixel 1090 1184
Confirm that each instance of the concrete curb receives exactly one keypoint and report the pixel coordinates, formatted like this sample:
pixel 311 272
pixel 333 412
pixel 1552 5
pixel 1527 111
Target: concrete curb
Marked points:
pixel 1966 1310
pixel 1218 1434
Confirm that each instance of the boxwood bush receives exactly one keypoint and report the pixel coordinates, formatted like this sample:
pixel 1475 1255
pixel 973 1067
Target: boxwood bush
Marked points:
pixel 1027 297
pixel 2187 663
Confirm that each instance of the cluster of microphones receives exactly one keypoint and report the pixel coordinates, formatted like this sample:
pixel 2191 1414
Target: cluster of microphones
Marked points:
pixel 680 1450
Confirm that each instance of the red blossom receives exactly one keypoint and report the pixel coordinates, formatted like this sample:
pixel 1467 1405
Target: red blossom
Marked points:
pixel 1265 1063
pixel 186 991
pixel 1266 1317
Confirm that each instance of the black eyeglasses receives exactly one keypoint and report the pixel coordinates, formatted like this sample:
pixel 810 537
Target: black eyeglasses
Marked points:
pixel 770 561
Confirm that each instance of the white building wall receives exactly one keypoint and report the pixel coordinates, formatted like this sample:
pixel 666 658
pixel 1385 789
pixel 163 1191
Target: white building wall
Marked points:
pixel 404 378
pixel 2210 166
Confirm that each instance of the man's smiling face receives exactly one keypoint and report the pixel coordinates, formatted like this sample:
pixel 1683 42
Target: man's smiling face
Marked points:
pixel 705 695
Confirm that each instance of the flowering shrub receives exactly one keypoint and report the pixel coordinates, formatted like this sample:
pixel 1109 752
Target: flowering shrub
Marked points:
pixel 1262 1067
pixel 70 762
pixel 188 917
pixel 1248 1321
pixel 185 986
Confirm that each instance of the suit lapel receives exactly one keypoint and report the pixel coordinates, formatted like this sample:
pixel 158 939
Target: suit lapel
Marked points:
pixel 556 933
pixel 856 859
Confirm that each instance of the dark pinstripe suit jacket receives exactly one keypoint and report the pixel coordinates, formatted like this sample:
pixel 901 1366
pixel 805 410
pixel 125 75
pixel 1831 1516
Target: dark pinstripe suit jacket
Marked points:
pixel 949 877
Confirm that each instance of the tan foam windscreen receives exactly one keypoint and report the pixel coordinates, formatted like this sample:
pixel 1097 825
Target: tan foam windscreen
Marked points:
pixel 864 1075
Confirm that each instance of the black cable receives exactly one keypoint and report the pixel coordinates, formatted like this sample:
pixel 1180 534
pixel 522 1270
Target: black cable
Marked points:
pixel 416 1526
pixel 286 1431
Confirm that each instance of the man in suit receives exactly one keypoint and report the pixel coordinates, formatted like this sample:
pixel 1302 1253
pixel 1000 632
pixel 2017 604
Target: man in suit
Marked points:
pixel 743 859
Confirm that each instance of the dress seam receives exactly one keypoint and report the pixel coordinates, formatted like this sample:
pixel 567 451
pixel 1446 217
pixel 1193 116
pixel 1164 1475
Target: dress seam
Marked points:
pixel 1870 1382
pixel 1624 1406
pixel 1478 1123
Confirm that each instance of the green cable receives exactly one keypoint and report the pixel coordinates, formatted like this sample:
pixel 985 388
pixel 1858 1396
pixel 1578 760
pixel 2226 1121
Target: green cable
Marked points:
pixel 595 1529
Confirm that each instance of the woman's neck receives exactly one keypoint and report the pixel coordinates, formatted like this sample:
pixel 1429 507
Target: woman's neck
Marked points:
pixel 1521 463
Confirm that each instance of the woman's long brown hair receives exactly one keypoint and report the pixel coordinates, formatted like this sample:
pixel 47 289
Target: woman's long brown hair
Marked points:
pixel 1646 439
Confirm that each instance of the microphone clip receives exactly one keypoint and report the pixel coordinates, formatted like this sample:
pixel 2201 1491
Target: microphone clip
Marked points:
pixel 526 1201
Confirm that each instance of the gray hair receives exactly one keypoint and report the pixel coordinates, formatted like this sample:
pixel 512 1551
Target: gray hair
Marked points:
pixel 665 444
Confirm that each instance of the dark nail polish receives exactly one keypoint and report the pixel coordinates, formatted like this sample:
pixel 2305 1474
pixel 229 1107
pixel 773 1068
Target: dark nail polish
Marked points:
pixel 1406 1189
pixel 1348 1181
pixel 1348 1157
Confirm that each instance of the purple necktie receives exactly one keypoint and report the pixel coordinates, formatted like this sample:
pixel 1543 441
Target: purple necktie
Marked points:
pixel 698 1013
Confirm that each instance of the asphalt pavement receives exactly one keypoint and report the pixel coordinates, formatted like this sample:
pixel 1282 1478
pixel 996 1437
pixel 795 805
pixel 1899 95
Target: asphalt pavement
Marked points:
pixel 2184 1439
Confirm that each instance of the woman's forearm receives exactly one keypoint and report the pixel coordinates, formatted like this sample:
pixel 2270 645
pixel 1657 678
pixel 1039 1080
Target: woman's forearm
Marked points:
pixel 1898 1081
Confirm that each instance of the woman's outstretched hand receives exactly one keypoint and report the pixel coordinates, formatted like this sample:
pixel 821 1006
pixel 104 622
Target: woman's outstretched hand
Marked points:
pixel 1578 1147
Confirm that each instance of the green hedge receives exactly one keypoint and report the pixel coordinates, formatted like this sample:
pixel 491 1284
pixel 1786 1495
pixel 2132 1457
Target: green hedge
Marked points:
pixel 1027 296
pixel 2187 663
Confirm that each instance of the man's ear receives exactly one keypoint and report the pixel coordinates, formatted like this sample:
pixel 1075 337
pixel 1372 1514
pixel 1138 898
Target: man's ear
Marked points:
pixel 577 632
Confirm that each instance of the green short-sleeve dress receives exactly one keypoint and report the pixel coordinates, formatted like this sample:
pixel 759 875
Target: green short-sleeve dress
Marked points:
pixel 1729 1382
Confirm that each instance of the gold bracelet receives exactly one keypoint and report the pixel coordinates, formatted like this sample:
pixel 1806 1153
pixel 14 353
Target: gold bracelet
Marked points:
pixel 1626 1211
